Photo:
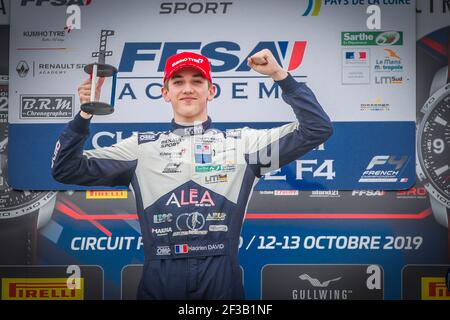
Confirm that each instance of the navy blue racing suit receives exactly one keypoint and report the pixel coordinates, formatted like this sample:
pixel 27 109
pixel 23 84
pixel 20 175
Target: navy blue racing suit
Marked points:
pixel 192 186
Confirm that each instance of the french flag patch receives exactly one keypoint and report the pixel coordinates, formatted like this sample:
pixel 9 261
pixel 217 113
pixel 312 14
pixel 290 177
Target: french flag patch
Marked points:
pixel 181 248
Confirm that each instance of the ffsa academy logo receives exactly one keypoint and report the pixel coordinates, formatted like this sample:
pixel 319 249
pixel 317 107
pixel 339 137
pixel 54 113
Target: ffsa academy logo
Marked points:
pixel 73 10
pixel 56 2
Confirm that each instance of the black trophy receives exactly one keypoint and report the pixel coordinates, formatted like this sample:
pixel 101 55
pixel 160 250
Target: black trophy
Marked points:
pixel 101 69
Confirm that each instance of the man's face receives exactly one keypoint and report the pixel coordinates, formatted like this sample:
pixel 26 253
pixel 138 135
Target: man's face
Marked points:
pixel 187 90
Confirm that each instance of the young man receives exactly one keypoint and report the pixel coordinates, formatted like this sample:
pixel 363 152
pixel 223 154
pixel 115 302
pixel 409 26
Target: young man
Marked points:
pixel 192 183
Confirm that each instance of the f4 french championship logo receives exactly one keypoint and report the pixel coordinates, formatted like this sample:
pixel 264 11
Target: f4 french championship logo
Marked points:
pixel 385 168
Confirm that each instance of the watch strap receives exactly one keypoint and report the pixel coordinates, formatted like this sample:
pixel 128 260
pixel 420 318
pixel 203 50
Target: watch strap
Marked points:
pixel 439 80
pixel 448 230
pixel 442 76
pixel 448 58
pixel 440 211
pixel 442 215
pixel 45 213
pixel 18 240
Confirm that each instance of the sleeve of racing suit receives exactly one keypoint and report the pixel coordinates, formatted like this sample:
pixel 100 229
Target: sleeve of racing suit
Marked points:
pixel 276 147
pixel 110 166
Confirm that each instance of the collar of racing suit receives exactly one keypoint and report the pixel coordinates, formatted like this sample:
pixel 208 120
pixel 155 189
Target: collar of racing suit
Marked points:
pixel 197 128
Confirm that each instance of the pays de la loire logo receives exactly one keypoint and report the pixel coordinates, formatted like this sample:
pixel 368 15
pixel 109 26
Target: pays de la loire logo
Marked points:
pixel 313 8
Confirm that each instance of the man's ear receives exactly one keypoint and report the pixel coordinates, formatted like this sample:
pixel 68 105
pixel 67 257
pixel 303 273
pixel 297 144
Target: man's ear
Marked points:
pixel 165 94
pixel 212 92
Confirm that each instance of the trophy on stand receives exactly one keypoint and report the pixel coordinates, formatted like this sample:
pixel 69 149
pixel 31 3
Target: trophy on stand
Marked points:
pixel 101 69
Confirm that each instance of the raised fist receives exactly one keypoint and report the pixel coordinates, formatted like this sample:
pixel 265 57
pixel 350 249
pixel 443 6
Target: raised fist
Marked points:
pixel 265 63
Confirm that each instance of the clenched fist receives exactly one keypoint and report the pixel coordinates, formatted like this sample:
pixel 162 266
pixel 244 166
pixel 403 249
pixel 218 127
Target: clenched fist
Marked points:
pixel 264 62
pixel 84 92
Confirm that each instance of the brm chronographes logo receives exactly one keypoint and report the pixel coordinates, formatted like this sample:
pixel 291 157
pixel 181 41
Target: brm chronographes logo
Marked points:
pixel 46 106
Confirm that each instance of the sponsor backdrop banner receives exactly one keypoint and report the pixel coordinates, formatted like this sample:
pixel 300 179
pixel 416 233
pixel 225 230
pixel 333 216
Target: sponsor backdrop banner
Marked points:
pixel 365 79
pixel 318 244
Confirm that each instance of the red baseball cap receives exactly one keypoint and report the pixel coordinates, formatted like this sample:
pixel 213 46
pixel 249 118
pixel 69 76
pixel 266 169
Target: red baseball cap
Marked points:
pixel 187 59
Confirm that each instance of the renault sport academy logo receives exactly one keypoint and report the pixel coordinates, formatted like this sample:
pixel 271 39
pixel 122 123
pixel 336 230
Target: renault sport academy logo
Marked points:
pixel 22 68
pixel 313 8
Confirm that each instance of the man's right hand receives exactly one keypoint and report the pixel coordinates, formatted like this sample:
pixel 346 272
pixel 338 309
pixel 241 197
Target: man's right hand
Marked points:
pixel 84 92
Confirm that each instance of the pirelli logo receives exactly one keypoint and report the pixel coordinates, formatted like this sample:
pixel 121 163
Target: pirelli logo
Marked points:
pixel 107 194
pixel 40 289
pixel 434 289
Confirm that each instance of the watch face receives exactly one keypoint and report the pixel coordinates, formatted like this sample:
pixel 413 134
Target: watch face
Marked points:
pixel 13 202
pixel 434 142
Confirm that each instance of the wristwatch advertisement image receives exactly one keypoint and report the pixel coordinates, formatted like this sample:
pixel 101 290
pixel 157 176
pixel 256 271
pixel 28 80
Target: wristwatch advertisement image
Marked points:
pixel 22 213
pixel 433 133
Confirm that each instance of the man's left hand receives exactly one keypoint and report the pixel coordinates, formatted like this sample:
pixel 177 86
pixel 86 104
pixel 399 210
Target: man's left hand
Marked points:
pixel 265 63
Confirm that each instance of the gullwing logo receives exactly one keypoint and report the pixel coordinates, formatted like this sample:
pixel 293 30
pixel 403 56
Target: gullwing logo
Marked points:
pixel 315 282
pixel 322 282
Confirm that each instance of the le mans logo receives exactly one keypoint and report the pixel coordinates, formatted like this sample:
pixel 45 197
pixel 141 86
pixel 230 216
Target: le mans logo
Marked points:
pixel 40 289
